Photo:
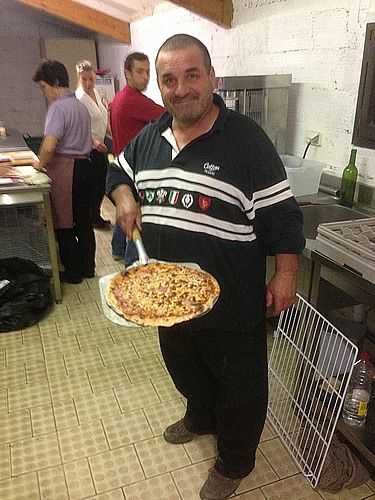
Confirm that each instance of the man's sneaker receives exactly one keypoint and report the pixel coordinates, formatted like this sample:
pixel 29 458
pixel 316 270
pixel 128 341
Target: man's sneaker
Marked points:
pixel 218 487
pixel 177 433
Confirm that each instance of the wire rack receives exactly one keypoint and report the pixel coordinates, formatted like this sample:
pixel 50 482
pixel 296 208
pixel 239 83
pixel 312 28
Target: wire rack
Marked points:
pixel 23 234
pixel 309 369
pixel 255 107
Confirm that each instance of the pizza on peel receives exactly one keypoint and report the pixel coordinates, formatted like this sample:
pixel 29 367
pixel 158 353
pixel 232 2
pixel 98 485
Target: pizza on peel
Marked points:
pixel 161 294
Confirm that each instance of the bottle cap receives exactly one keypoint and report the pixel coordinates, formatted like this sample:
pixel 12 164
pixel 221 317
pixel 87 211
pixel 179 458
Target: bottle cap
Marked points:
pixel 365 356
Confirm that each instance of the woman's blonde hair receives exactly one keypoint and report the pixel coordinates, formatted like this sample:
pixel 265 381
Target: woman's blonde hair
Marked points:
pixel 84 65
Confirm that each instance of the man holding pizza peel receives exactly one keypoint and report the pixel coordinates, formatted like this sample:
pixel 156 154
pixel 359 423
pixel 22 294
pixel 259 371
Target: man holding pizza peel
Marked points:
pixel 212 190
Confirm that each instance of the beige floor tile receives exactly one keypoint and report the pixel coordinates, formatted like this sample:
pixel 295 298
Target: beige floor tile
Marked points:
pixel 99 321
pixel 359 493
pixel 10 338
pixel 47 326
pixel 29 395
pixel 88 359
pixel 123 335
pixel 261 475
pixel 117 353
pixel 135 396
pixel 4 461
pixel 3 400
pixel 15 425
pixel 158 457
pixel 22 353
pixel 82 441
pixel 251 495
pixel 35 371
pixel 84 403
pixel 279 458
pixel 165 388
pixel 156 488
pixel 66 326
pixel 42 420
pixel 56 312
pixel 164 414
pixel 88 339
pixel 24 487
pixel 295 487
pixel 150 331
pixel 146 347
pixel 268 432
pixel 117 494
pixel 89 296
pixel 108 377
pixel 55 365
pixel 97 406
pixel 66 344
pixel 127 428
pixel 65 414
pixel 52 484
pixel 144 369
pixel 189 480
pixel 70 386
pixel 115 468
pixel 202 448
pixel 2 358
pixel 79 479
pixel 36 453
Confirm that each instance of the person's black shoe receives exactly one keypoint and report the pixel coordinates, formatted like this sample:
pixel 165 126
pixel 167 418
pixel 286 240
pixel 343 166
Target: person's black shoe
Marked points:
pixel 177 433
pixel 89 275
pixel 70 278
pixel 218 487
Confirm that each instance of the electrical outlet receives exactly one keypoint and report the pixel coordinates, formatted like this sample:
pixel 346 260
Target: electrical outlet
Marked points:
pixel 314 137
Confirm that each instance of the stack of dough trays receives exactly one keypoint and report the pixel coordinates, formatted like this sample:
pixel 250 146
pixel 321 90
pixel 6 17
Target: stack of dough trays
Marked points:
pixel 351 244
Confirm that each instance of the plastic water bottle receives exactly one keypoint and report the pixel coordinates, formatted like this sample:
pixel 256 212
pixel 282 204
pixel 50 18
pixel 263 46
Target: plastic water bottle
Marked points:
pixel 358 393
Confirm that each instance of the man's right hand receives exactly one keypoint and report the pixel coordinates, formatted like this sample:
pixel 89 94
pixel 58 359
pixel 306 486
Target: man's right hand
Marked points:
pixel 128 213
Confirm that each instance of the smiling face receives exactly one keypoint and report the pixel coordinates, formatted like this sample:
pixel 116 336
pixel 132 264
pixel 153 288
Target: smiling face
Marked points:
pixel 139 76
pixel 87 80
pixel 185 84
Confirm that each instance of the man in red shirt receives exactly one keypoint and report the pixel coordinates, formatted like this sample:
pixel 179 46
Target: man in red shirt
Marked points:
pixel 130 111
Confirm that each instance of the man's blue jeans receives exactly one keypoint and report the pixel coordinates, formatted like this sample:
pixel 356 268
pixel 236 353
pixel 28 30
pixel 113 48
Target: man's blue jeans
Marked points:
pixel 121 247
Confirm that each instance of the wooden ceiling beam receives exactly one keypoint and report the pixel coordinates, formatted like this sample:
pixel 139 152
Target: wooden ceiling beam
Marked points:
pixel 84 16
pixel 218 11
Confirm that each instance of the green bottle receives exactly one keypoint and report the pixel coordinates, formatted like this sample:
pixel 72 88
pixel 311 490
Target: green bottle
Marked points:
pixel 348 181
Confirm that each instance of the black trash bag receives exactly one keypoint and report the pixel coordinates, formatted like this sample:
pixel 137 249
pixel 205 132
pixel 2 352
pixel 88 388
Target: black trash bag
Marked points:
pixel 27 296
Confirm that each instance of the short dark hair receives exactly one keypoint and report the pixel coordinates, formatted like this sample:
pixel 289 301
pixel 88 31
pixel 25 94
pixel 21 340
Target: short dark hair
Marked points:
pixel 134 56
pixel 182 41
pixel 51 72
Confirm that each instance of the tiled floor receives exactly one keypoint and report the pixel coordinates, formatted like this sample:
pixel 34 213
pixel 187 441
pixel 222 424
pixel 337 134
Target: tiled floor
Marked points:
pixel 83 405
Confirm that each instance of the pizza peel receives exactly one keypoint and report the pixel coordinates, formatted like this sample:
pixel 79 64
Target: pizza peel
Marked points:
pixel 143 259
pixel 142 254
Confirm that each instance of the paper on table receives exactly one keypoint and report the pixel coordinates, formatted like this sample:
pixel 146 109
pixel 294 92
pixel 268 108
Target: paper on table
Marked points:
pixel 25 170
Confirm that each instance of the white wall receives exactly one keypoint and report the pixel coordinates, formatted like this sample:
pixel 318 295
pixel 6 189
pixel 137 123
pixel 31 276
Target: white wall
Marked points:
pixel 320 43
pixel 22 105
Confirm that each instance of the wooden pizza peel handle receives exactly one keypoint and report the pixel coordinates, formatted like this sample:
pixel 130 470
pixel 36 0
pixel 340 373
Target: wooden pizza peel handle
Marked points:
pixel 142 254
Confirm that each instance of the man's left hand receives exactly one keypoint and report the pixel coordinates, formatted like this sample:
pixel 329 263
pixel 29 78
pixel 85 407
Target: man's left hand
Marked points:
pixel 282 289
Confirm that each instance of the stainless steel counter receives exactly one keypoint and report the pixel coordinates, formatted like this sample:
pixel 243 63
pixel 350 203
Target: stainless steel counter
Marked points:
pixel 13 141
pixel 323 269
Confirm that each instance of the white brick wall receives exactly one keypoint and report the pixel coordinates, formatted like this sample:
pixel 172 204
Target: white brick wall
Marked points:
pixel 320 43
